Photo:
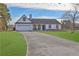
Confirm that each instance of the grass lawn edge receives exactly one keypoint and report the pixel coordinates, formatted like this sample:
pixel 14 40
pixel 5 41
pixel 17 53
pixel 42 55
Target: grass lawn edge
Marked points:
pixel 74 39
pixel 26 44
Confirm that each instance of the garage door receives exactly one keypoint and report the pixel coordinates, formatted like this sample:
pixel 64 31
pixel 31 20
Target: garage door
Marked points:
pixel 24 27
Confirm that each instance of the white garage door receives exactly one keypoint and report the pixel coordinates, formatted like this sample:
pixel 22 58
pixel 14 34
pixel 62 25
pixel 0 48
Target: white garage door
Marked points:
pixel 24 27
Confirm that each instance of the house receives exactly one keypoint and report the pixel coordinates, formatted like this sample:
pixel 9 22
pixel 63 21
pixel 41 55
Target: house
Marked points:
pixel 11 27
pixel 77 26
pixel 29 24
pixel 65 24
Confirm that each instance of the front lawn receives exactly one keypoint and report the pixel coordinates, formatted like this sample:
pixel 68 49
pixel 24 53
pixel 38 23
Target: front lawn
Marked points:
pixel 66 35
pixel 12 44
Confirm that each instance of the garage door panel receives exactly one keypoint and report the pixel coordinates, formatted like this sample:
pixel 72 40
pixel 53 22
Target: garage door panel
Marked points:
pixel 24 27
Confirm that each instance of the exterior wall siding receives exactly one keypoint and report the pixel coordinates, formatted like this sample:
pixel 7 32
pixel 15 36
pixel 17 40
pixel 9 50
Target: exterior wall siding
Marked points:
pixel 53 26
pixel 59 26
pixel 29 27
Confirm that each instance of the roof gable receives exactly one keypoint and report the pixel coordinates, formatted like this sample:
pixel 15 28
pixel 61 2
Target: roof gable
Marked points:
pixel 23 19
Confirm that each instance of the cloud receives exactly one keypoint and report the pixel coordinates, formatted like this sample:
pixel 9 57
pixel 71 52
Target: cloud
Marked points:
pixel 49 17
pixel 49 6
pixel 45 17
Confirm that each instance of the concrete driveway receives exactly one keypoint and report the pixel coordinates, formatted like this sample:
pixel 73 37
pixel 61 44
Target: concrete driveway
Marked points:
pixel 40 44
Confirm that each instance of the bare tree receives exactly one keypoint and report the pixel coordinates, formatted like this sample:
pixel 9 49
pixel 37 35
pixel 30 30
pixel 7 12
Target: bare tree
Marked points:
pixel 72 15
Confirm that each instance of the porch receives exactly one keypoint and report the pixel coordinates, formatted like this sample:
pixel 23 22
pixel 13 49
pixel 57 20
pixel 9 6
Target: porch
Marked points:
pixel 39 27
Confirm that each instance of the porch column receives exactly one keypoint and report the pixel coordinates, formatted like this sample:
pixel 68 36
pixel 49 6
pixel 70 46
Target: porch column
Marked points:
pixel 36 27
pixel 41 27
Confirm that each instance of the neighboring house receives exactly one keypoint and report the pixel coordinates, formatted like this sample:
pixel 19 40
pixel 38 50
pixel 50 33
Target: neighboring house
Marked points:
pixel 77 26
pixel 66 24
pixel 29 24
pixel 11 27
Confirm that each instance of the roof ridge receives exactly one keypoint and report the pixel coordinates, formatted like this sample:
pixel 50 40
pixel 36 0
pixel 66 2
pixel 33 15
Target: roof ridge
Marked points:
pixel 21 17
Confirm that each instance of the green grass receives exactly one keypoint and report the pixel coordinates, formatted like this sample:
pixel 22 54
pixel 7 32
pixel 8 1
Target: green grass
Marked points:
pixel 67 35
pixel 12 44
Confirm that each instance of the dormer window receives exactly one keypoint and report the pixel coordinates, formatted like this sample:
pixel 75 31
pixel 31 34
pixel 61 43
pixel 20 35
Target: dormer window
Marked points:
pixel 24 18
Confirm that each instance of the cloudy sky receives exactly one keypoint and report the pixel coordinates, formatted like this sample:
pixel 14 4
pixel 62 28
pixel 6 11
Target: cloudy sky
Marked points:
pixel 38 10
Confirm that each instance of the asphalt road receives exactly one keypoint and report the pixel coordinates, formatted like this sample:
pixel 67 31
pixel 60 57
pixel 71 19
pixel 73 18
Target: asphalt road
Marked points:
pixel 40 44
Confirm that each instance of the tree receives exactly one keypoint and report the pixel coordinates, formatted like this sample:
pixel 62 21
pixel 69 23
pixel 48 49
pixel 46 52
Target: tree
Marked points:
pixel 65 24
pixel 72 15
pixel 5 16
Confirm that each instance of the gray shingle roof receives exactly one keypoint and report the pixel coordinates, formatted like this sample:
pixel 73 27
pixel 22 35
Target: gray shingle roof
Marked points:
pixel 44 21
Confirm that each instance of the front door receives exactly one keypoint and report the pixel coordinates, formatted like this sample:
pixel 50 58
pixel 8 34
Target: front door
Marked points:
pixel 43 27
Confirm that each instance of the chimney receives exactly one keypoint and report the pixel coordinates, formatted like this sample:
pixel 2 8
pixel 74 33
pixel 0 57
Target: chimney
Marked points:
pixel 30 17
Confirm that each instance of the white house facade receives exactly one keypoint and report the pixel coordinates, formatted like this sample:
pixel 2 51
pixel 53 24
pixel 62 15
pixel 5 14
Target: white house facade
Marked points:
pixel 29 24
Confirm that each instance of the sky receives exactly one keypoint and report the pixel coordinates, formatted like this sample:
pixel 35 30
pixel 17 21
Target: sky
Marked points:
pixel 38 10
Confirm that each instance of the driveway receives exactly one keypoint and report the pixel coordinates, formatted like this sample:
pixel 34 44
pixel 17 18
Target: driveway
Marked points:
pixel 40 44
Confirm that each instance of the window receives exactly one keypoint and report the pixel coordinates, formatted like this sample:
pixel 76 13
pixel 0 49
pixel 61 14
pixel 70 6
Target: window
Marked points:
pixel 24 18
pixel 56 26
pixel 49 25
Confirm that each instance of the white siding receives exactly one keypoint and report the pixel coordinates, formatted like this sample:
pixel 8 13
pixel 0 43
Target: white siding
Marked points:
pixel 53 26
pixel 24 27
pixel 47 26
pixel 59 27
pixel 41 28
